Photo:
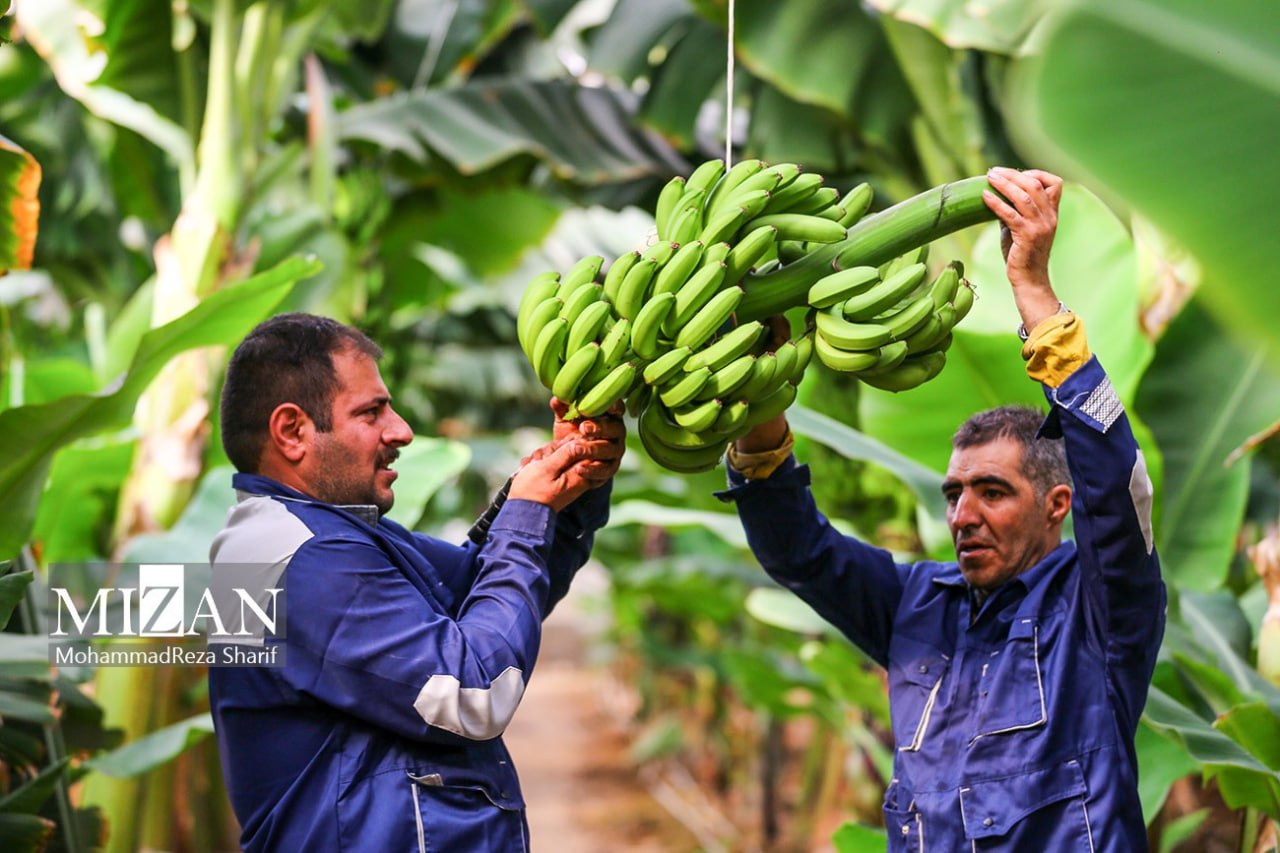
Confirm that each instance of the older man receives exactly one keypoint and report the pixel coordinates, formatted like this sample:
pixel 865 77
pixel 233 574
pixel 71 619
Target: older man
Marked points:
pixel 1017 674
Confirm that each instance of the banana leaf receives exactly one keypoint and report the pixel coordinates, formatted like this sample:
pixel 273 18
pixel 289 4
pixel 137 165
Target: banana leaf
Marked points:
pixel 19 206
pixel 582 134
pixel 34 433
pixel 998 26
pixel 58 31
pixel 620 47
pixel 12 587
pixel 154 749
pixel 1202 396
pixel 1174 107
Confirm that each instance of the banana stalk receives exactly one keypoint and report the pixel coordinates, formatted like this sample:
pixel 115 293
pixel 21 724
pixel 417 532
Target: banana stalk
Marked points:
pixel 872 241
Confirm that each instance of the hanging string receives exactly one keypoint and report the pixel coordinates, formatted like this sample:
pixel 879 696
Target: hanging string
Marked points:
pixel 728 99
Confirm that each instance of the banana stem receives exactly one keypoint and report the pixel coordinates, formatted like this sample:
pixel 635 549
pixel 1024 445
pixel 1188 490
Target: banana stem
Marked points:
pixel 873 240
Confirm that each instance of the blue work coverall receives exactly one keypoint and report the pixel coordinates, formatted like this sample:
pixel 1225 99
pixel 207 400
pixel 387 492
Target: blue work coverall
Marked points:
pixel 405 657
pixel 1013 728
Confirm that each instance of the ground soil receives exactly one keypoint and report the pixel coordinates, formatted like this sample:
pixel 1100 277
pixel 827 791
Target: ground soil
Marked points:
pixel 581 791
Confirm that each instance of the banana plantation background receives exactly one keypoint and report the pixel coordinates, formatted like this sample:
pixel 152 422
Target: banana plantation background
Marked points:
pixel 174 171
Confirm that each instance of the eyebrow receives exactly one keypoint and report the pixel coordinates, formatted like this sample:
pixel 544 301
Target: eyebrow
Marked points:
pixel 986 480
pixel 380 400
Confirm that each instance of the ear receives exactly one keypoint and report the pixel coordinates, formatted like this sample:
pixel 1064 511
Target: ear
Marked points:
pixel 1057 502
pixel 291 431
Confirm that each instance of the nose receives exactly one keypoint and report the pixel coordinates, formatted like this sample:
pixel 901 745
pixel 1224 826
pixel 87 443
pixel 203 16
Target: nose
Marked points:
pixel 964 512
pixel 398 432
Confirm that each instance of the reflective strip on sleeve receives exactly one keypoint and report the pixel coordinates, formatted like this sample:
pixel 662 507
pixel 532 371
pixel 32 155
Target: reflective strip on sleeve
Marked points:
pixel 1103 405
pixel 477 713
pixel 1141 491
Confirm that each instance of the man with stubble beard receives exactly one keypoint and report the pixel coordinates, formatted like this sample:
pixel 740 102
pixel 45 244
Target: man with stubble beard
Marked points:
pixel 405 656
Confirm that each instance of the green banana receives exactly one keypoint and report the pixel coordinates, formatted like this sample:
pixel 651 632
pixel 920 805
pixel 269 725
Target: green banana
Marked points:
pixel 733 177
pixel 639 397
pixel 709 318
pixel 635 287
pixel 731 417
pixel 657 421
pixel 918 255
pixel 761 378
pixel 548 350
pixel 680 460
pixel 539 290
pixel 944 287
pixel 698 416
pixel 963 300
pixel 728 378
pixel 701 287
pixel 705 176
pixel 845 361
pixel 930 332
pixel 801 226
pixel 723 225
pixel 731 345
pixel 617 272
pixel 588 326
pixel 667 365
pixel 827 198
pixel 798 192
pixel 716 253
pixel 685 225
pixel 770 407
pixel 804 354
pixel 839 286
pixel 856 203
pixel 579 274
pixel 579 300
pixel 765 181
pixel 913 372
pixel 677 270
pixel 685 389
pixel 891 355
pixel 660 251
pixel 668 201
pixel 788 355
pixel 544 313
pixel 889 292
pixel 616 343
pixel 606 392
pixel 575 370
pixel 751 248
pixel 848 335
pixel 835 213
pixel 753 203
pixel 648 322
pixel 907 319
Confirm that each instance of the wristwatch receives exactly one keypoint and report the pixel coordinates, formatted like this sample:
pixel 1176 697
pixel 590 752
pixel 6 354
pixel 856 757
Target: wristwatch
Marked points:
pixel 1023 334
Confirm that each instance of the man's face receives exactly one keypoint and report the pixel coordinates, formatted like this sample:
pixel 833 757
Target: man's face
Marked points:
pixel 351 463
pixel 999 526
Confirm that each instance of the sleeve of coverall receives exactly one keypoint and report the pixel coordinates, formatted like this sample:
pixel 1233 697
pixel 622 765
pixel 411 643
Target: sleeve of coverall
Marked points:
pixel 575 530
pixel 1111 513
pixel 851 584
pixel 576 527
pixel 363 639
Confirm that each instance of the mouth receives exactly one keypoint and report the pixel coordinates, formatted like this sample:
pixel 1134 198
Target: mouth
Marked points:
pixel 384 465
pixel 968 550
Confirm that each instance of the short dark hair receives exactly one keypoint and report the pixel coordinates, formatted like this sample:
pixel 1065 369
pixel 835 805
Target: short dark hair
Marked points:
pixel 286 359
pixel 1044 460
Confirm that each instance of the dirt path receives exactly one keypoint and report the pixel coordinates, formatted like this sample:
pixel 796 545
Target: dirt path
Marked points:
pixel 581 791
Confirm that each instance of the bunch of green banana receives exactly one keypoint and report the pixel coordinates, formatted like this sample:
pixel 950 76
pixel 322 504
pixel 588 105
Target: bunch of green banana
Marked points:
pixel 674 329
pixel 887 325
